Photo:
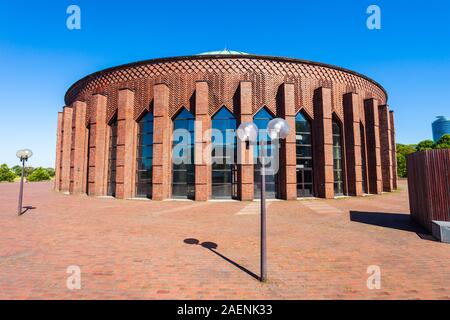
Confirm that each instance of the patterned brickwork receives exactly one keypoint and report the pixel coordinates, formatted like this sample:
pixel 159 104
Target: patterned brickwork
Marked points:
pixel 223 75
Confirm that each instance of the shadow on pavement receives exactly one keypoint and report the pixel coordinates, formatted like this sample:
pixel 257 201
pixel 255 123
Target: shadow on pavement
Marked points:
pixel 211 246
pixel 26 208
pixel 397 221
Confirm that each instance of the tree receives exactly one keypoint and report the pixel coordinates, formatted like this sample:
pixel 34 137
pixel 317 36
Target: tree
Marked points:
pixel 406 148
pixel 425 145
pixel 402 151
pixel 6 174
pixel 51 172
pixel 443 142
pixel 39 174
pixel 28 171
pixel 17 170
pixel 401 165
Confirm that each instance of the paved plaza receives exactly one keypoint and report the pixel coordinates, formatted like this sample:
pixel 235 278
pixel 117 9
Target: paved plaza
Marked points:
pixel 127 249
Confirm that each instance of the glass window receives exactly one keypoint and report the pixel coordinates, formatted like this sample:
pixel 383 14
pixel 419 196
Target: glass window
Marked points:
pixel 112 156
pixel 183 168
pixel 337 160
pixel 304 156
pixel 144 156
pixel 224 171
pixel 261 119
pixel 363 158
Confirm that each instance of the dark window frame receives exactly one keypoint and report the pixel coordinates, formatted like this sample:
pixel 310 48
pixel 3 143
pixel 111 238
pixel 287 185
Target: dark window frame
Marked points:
pixel 144 172
pixel 112 157
pixel 224 120
pixel 184 119
pixel 303 171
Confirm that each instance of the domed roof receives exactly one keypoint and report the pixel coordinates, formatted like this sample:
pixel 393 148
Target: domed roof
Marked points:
pixel 222 52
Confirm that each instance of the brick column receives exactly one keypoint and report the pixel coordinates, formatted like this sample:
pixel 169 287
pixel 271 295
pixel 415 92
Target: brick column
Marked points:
pixel 101 145
pixel 126 145
pixel 386 148
pixel 287 169
pixel 59 133
pixel 79 146
pixel 373 146
pixel 323 142
pixel 353 144
pixel 245 155
pixel 66 149
pixel 201 156
pixel 394 150
pixel 162 149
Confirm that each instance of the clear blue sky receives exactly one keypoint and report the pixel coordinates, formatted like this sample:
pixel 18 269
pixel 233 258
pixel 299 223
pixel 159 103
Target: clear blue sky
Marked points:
pixel 40 58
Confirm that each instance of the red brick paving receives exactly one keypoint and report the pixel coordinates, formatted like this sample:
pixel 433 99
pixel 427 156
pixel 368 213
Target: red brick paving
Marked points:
pixel 135 249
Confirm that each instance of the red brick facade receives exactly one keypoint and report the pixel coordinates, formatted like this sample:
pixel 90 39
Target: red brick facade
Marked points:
pixel 203 85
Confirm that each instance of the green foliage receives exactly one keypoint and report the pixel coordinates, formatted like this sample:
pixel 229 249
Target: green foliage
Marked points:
pixel 425 145
pixel 401 165
pixel 17 170
pixel 39 174
pixel 51 172
pixel 28 171
pixel 406 148
pixel 443 142
pixel 6 174
pixel 402 151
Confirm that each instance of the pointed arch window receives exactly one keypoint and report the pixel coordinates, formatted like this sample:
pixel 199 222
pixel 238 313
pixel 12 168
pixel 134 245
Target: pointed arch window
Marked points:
pixel 183 167
pixel 304 155
pixel 261 119
pixel 112 157
pixel 144 156
pixel 337 159
pixel 224 178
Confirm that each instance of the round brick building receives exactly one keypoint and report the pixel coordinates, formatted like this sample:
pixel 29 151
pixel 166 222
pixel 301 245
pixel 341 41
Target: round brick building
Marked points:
pixel 116 133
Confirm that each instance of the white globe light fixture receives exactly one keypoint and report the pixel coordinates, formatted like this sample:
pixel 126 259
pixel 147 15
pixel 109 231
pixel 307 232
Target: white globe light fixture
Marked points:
pixel 24 154
pixel 278 128
pixel 247 131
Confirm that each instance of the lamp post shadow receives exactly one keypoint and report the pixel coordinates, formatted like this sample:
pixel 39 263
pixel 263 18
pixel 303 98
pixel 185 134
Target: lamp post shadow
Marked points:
pixel 211 246
pixel 25 209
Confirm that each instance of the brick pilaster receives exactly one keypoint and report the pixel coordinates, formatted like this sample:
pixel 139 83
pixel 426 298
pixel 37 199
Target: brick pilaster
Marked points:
pixel 59 133
pixel 386 148
pixel 101 145
pixel 66 149
pixel 162 149
pixel 373 146
pixel 79 147
pixel 287 163
pixel 201 157
pixel 353 143
pixel 323 141
pixel 245 155
pixel 126 145
pixel 394 150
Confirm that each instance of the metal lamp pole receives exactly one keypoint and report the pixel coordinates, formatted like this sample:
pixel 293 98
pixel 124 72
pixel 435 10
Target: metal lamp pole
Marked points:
pixel 23 155
pixel 263 261
pixel 19 208
pixel 278 129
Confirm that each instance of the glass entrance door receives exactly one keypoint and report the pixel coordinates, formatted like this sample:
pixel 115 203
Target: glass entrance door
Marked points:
pixel 183 167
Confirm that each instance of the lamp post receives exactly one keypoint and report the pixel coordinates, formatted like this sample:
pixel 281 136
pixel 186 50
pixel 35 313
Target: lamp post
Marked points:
pixel 23 155
pixel 277 129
